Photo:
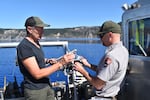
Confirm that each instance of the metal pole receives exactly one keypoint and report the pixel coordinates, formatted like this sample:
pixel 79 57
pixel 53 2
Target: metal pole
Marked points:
pixel 75 89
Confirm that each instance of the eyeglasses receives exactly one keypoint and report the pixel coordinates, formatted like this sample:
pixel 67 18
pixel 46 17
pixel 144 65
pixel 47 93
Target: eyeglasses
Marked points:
pixel 101 35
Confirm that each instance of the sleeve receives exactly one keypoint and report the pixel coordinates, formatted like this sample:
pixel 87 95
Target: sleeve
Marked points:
pixel 109 69
pixel 24 51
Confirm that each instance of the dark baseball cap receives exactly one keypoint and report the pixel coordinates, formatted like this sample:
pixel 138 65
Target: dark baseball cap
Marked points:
pixel 110 26
pixel 35 21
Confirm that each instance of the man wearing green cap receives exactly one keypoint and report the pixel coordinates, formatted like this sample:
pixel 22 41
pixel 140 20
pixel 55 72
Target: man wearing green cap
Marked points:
pixel 112 67
pixel 32 62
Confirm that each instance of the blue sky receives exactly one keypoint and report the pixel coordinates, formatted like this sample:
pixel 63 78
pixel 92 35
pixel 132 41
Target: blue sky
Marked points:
pixel 61 13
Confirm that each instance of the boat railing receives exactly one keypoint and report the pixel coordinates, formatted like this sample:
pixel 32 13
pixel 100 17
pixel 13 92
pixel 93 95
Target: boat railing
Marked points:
pixel 2 90
pixel 51 43
pixel 64 44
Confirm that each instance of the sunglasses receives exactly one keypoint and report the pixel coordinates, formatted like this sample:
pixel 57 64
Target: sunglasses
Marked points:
pixel 101 35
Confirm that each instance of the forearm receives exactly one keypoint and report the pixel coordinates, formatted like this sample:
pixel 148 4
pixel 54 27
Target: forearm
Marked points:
pixel 94 81
pixel 45 72
pixel 89 65
pixel 38 72
pixel 93 67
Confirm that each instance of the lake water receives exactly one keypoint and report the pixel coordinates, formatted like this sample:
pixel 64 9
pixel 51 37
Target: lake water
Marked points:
pixel 92 51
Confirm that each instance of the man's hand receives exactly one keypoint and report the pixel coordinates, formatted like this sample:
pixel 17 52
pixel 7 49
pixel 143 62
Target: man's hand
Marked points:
pixel 67 58
pixel 85 62
pixel 51 61
pixel 78 67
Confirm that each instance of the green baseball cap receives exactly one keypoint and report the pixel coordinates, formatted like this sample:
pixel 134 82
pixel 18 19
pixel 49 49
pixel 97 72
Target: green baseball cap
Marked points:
pixel 35 21
pixel 110 26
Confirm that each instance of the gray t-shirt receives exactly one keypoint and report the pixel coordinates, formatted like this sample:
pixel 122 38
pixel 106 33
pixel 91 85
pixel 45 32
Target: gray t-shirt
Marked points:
pixel 25 50
pixel 112 69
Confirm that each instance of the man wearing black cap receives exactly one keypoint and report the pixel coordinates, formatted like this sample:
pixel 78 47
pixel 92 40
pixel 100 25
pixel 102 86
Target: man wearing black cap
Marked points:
pixel 112 67
pixel 32 62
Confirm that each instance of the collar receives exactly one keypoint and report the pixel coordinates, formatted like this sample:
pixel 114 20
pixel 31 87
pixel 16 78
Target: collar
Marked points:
pixel 115 45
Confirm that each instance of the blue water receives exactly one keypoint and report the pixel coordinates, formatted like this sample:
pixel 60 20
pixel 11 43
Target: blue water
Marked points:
pixel 8 68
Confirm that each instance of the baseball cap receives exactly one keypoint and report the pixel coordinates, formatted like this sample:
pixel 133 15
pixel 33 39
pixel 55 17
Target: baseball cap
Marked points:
pixel 35 21
pixel 110 26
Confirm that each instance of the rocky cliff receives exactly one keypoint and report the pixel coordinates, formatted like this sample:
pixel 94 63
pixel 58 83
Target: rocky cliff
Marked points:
pixel 77 32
